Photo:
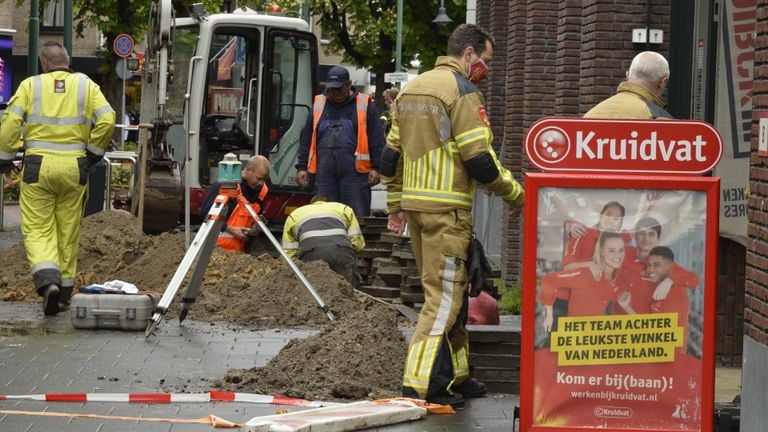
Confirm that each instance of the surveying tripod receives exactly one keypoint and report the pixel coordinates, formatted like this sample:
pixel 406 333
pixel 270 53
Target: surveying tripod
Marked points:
pixel 201 248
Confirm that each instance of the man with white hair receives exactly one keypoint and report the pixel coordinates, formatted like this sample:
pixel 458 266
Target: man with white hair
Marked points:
pixel 640 96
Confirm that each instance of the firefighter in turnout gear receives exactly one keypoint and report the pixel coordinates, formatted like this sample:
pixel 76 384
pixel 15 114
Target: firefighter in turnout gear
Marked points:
pixel 234 233
pixel 327 231
pixel 67 125
pixel 439 147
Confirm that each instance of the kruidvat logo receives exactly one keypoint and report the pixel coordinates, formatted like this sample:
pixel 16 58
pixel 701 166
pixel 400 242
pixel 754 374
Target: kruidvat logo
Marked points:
pixel 612 412
pixel 552 144
pixel 623 146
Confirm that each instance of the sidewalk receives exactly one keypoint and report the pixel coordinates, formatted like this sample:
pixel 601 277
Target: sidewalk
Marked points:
pixel 46 355
pixel 10 231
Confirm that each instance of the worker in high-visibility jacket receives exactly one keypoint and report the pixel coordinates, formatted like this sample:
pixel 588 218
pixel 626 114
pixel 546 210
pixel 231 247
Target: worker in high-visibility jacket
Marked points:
pixel 341 143
pixel 327 231
pixel 253 187
pixel 68 124
pixel 438 150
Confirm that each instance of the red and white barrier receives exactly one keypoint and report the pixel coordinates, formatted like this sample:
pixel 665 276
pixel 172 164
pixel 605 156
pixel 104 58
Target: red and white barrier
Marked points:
pixel 164 398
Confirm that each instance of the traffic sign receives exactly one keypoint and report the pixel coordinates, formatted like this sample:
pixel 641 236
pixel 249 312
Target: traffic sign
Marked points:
pixel 121 70
pixel 123 45
pixel 394 77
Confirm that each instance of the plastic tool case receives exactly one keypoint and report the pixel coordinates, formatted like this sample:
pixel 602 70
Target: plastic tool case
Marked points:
pixel 112 311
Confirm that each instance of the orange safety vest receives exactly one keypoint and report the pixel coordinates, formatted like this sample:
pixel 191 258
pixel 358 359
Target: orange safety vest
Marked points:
pixel 362 154
pixel 240 219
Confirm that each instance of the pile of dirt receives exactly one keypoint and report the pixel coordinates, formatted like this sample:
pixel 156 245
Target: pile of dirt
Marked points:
pixel 359 356
pixel 104 237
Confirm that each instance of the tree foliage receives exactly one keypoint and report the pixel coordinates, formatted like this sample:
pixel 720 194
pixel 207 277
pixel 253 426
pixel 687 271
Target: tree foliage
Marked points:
pixel 364 33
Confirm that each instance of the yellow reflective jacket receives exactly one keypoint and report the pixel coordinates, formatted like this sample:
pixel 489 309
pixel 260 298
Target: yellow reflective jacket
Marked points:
pixel 631 101
pixel 321 224
pixel 61 111
pixel 440 123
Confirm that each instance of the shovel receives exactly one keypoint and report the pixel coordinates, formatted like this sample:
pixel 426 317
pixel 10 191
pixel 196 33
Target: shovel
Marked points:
pixel 130 256
pixel 404 310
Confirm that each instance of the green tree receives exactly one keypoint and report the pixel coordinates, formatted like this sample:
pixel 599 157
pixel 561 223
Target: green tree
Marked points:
pixel 115 17
pixel 365 32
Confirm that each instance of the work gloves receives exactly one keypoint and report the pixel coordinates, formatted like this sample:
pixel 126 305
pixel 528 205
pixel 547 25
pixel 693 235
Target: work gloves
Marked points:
pixel 478 268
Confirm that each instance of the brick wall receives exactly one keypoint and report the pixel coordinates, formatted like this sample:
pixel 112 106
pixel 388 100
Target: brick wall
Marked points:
pixel 557 64
pixel 756 287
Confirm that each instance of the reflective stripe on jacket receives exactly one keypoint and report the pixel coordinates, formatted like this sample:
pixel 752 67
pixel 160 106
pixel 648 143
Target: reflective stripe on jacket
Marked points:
pixel 61 112
pixel 321 224
pixel 439 123
pixel 240 218
pixel 362 154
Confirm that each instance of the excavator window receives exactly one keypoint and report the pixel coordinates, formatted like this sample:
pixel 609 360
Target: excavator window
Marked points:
pixel 232 71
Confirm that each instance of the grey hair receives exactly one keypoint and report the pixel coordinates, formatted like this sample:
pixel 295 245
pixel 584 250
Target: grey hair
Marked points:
pixel 648 66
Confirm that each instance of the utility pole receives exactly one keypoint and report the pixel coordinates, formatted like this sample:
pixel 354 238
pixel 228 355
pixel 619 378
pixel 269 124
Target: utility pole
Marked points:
pixel 68 28
pixel 399 40
pixel 34 34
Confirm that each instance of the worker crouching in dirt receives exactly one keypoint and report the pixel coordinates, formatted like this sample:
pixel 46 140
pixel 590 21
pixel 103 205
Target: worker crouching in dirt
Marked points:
pixel 328 231
pixel 234 233
pixel 67 125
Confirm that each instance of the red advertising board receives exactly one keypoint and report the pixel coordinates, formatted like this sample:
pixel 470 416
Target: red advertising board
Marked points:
pixel 619 286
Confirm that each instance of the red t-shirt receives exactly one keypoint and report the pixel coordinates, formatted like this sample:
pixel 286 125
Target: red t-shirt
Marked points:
pixel 585 295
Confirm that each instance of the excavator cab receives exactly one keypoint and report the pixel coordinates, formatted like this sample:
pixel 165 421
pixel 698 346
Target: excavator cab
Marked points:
pixel 243 84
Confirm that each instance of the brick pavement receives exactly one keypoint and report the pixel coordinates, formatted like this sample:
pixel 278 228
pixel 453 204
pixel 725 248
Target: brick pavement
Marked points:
pixel 46 355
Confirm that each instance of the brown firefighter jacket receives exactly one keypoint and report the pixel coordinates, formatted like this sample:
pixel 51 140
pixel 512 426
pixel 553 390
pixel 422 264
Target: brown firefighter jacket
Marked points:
pixel 440 145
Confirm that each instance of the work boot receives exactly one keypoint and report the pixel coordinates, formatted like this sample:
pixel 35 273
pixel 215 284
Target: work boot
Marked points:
pixel 51 300
pixel 64 298
pixel 471 388
pixel 443 397
pixel 455 400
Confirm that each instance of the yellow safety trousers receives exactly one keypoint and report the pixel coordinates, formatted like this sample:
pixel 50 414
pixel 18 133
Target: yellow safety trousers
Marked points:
pixel 52 209
pixel 438 355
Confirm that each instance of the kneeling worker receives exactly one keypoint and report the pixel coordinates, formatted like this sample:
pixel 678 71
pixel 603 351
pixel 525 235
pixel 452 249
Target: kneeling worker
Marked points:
pixel 234 233
pixel 327 231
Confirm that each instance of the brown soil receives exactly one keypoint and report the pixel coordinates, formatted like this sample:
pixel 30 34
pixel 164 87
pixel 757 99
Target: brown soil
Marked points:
pixel 360 355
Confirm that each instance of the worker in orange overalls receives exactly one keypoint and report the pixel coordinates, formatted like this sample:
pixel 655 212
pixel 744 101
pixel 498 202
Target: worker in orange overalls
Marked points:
pixel 253 188
pixel 341 143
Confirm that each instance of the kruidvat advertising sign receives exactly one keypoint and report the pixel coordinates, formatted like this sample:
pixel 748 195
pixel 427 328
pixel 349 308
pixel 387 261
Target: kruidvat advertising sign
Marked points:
pixel 678 147
pixel 619 296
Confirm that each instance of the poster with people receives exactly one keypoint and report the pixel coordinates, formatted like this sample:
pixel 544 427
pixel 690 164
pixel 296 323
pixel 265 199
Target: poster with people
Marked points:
pixel 620 324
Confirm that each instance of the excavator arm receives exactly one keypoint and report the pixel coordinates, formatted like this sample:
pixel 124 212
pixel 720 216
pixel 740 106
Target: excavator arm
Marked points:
pixel 164 192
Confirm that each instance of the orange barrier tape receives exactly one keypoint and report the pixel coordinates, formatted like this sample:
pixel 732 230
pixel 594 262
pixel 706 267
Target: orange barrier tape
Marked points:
pixel 210 419
pixel 430 407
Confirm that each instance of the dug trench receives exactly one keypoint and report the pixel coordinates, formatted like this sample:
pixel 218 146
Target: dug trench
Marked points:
pixel 359 355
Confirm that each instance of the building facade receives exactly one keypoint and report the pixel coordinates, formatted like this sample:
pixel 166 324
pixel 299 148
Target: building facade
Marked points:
pixel 561 57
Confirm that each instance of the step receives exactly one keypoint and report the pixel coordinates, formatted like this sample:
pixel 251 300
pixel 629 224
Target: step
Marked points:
pixel 491 348
pixel 374 253
pixel 494 360
pixel 503 386
pixel 380 291
pixel 489 374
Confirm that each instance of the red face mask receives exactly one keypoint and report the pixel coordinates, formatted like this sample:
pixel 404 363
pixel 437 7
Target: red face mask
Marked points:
pixel 478 71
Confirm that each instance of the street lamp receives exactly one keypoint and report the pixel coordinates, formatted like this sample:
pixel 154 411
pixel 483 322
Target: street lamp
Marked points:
pixel 442 18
